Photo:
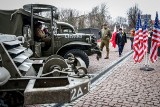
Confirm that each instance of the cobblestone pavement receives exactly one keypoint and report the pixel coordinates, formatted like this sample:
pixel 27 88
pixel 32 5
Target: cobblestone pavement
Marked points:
pixel 98 66
pixel 101 65
pixel 127 86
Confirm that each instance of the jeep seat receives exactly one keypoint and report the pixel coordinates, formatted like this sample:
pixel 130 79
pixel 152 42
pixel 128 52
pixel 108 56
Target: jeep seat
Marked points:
pixel 38 47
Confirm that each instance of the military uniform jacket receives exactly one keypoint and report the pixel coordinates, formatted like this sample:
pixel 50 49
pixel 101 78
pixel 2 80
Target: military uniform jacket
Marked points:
pixel 106 34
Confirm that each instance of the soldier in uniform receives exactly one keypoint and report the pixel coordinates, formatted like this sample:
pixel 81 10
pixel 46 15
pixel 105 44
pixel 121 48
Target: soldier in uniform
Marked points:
pixel 40 35
pixel 105 39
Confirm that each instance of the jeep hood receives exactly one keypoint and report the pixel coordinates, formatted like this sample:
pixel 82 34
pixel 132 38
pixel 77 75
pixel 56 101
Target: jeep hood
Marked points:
pixel 85 34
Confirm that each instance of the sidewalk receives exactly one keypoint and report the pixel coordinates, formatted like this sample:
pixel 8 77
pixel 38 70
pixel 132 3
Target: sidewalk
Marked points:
pixel 127 86
pixel 101 65
pixel 96 67
pixel 123 86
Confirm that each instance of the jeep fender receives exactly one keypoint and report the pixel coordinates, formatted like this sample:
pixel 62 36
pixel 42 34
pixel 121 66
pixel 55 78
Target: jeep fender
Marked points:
pixel 73 44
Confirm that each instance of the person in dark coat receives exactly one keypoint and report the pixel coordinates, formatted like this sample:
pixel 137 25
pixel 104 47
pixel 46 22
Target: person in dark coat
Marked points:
pixel 121 39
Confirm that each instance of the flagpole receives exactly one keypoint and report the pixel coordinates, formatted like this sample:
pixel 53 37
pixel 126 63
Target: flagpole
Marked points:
pixel 146 65
pixel 147 59
pixel 145 46
pixel 141 44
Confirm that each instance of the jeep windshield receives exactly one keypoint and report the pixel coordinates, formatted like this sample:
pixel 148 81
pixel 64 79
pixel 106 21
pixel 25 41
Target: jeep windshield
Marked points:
pixel 65 28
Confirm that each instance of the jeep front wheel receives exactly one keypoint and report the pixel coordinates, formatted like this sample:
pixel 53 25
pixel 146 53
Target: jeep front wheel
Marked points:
pixel 79 53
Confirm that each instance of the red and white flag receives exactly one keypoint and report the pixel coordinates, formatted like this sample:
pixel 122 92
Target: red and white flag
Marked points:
pixel 138 42
pixel 145 36
pixel 113 39
pixel 155 40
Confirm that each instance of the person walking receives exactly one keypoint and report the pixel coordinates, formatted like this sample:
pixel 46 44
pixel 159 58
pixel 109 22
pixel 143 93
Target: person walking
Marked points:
pixel 121 39
pixel 132 37
pixel 105 39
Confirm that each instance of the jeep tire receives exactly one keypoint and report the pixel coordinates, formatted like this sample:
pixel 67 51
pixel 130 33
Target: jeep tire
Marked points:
pixel 79 53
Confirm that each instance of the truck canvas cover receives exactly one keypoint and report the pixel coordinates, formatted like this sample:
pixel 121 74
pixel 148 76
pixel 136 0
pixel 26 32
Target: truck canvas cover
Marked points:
pixel 12 21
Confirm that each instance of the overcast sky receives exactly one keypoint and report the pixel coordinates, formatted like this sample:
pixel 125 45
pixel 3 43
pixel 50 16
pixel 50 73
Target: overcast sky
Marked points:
pixel 115 7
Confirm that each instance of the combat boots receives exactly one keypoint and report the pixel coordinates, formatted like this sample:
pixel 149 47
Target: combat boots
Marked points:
pixel 107 56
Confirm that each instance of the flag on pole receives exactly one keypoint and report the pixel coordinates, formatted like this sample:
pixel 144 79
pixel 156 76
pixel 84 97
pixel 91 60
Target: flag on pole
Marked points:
pixel 141 46
pixel 138 42
pixel 145 36
pixel 113 39
pixel 155 40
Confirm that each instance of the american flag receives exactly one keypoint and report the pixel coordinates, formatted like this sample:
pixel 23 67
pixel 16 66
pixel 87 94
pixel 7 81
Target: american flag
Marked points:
pixel 155 41
pixel 145 36
pixel 138 42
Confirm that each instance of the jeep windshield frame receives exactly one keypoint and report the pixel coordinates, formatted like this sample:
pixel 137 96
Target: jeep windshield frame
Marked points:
pixel 37 9
pixel 65 28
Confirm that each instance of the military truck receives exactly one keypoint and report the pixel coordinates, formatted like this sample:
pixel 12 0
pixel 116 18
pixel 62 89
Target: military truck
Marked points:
pixel 64 38
pixel 25 81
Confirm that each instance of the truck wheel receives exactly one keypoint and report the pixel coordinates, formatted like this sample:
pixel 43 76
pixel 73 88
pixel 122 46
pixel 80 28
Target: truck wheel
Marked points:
pixel 79 53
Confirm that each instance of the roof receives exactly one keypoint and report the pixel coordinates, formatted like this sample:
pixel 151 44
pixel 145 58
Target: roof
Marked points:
pixel 64 23
pixel 22 12
pixel 89 28
pixel 39 7
pixel 11 21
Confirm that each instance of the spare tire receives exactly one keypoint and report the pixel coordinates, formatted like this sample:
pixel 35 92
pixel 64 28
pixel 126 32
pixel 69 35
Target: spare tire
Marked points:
pixel 79 53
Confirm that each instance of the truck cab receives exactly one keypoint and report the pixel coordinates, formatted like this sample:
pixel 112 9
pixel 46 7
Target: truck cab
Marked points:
pixel 64 39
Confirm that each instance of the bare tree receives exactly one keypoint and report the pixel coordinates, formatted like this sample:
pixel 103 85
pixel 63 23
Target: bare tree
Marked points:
pixel 121 20
pixel 95 18
pixel 69 16
pixel 92 16
pixel 103 14
pixel 81 22
pixel 132 15
pixel 98 16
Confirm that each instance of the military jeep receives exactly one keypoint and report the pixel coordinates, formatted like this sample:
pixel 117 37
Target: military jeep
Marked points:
pixel 64 38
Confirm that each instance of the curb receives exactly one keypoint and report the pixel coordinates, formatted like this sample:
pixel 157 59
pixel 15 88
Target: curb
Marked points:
pixel 110 67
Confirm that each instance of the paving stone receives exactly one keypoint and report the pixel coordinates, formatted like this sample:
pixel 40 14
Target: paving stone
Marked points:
pixel 130 87
pixel 126 86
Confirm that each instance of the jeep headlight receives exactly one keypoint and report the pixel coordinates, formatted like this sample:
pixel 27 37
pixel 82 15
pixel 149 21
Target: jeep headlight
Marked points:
pixel 93 39
pixel 88 40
